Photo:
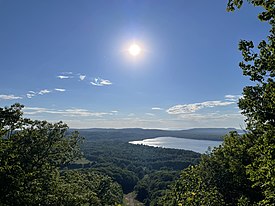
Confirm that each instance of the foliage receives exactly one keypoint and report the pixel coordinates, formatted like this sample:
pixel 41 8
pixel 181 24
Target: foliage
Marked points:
pixel 261 170
pixel 137 158
pixel 131 165
pixel 87 188
pixel 219 179
pixel 31 154
pixel 127 164
pixel 153 185
pixel 127 179
pixel 241 170
pixel 192 189
pixel 258 103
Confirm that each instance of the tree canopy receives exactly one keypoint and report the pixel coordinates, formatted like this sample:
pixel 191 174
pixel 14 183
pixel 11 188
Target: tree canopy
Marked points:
pixel 240 171
pixel 31 155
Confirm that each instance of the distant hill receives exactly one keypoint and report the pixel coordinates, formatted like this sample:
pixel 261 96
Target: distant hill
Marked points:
pixel 130 134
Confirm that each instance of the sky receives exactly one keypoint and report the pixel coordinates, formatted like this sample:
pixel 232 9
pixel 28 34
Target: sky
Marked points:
pixel 68 60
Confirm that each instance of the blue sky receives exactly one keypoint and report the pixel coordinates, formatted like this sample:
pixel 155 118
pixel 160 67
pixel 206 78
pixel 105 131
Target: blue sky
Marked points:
pixel 68 60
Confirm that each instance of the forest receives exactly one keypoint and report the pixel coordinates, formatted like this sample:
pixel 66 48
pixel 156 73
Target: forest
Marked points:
pixel 136 167
pixel 56 165
pixel 43 163
pixel 88 160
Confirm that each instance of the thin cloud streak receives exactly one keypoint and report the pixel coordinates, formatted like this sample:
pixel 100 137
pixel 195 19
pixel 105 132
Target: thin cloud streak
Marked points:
pixel 233 98
pixel 9 97
pixel 63 77
pixel 75 112
pixel 157 108
pixel 60 90
pixel 190 108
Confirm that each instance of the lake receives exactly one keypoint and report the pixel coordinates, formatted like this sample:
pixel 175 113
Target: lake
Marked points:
pixel 200 146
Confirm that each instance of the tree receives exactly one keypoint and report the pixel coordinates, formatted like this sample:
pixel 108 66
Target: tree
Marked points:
pixel 258 102
pixel 241 171
pixel 219 179
pixel 10 119
pixel 153 185
pixel 31 155
pixel 86 188
pixel 192 189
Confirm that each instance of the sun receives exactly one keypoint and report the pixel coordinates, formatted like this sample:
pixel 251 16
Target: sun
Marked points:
pixel 134 49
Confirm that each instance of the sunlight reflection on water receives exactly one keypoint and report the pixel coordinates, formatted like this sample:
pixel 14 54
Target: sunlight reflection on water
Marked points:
pixel 200 146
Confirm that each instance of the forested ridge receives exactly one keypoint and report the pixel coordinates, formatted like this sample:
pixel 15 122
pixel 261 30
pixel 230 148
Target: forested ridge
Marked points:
pixel 44 163
pixel 130 134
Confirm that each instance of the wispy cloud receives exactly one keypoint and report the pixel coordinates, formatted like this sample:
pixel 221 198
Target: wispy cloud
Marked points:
pixel 63 77
pixel 44 91
pixel 60 90
pixel 190 108
pixel 33 110
pixel 101 82
pixel 150 114
pixel 233 98
pixel 32 94
pixel 71 75
pixel 157 108
pixel 9 97
pixel 75 112
pixel 82 113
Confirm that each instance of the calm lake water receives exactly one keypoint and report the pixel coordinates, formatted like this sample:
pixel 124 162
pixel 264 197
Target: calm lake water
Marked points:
pixel 200 146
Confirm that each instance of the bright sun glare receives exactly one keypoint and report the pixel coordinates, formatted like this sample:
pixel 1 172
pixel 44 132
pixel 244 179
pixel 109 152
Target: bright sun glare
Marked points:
pixel 134 50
